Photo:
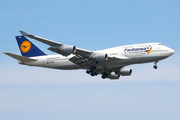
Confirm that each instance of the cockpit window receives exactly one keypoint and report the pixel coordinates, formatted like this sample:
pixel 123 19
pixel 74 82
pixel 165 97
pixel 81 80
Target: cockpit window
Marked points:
pixel 160 44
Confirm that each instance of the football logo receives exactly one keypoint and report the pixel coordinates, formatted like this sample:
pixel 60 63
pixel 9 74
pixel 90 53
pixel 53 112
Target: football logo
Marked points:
pixel 25 46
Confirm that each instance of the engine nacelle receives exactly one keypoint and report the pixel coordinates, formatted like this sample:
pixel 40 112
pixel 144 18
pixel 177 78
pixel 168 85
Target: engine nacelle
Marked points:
pixel 68 49
pixel 113 76
pixel 125 72
pixel 101 57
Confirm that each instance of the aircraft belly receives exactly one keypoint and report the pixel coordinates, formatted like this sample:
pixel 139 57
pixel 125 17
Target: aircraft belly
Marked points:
pixel 146 59
pixel 114 64
pixel 68 67
pixel 65 65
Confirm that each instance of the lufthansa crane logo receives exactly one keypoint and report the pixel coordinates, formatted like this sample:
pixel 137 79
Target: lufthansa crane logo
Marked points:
pixel 25 46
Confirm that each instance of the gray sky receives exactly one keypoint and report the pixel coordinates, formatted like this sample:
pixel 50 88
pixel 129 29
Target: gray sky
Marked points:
pixel 32 93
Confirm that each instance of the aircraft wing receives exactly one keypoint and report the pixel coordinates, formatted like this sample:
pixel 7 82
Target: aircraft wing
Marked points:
pixel 56 47
pixel 43 40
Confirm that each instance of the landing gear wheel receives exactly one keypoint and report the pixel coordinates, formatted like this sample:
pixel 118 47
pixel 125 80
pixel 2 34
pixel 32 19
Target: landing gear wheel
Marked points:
pixel 95 73
pixel 92 71
pixel 88 72
pixel 92 74
pixel 103 77
pixel 155 67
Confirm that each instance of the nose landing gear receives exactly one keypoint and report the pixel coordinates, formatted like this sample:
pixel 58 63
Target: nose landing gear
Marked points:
pixel 155 66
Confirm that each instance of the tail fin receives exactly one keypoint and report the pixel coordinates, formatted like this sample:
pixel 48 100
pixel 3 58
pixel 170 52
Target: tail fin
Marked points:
pixel 27 48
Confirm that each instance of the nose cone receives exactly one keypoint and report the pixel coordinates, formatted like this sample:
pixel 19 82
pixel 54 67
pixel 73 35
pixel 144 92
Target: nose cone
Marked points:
pixel 171 51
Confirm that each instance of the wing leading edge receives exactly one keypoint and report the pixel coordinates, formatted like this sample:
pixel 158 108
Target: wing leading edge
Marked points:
pixel 57 47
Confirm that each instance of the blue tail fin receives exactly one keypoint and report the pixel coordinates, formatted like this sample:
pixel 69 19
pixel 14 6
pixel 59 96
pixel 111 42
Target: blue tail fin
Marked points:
pixel 27 48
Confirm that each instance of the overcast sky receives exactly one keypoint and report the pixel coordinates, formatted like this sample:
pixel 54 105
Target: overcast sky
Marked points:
pixel 32 93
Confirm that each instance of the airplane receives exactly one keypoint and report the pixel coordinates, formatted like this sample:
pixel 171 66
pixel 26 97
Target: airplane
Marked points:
pixel 109 63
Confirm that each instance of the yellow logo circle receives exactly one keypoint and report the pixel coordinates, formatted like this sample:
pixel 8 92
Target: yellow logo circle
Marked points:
pixel 25 46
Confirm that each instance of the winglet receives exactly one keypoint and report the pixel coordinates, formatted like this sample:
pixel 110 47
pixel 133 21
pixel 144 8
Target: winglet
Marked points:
pixel 23 33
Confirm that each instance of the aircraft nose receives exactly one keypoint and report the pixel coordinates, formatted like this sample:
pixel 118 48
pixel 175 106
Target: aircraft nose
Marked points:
pixel 171 51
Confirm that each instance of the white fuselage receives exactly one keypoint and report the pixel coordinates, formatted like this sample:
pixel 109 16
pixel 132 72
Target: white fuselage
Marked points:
pixel 129 54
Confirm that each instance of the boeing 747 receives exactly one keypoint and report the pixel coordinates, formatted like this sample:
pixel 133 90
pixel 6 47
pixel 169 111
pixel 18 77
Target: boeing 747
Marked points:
pixel 110 63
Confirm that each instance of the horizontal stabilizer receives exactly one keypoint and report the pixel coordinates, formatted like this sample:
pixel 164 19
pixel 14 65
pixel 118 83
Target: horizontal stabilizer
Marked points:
pixel 20 58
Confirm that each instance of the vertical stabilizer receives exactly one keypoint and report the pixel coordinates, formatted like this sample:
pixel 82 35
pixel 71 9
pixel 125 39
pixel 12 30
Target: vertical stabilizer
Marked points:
pixel 27 48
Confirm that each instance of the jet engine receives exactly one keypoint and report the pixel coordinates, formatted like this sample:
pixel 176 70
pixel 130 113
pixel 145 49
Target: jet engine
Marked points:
pixel 112 75
pixel 125 72
pixel 101 57
pixel 68 49
pixel 63 49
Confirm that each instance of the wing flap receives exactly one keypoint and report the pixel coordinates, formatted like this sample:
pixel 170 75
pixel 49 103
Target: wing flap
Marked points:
pixel 80 61
pixel 20 58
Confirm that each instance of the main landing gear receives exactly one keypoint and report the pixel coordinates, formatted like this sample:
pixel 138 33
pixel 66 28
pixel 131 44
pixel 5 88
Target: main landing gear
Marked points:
pixel 92 71
pixel 155 66
pixel 104 75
